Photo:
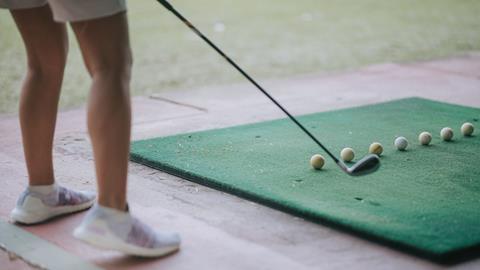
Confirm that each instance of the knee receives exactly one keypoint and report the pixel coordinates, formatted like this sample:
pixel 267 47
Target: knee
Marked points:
pixel 47 68
pixel 113 71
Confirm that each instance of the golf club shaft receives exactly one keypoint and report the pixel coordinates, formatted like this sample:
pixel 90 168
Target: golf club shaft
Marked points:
pixel 194 29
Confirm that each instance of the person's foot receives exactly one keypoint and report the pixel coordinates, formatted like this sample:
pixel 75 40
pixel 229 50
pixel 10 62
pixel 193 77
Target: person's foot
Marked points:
pixel 112 229
pixel 40 203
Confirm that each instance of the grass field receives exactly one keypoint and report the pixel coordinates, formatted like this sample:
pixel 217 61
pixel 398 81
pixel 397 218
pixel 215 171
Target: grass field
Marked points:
pixel 269 38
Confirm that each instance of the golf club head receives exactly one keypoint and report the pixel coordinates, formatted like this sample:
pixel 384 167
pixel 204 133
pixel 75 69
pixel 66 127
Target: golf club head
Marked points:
pixel 366 165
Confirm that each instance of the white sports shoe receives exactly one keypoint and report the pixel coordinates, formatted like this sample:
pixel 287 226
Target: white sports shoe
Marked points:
pixel 34 206
pixel 112 229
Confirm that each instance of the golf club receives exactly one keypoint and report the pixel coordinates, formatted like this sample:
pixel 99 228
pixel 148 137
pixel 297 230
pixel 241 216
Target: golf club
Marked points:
pixel 366 165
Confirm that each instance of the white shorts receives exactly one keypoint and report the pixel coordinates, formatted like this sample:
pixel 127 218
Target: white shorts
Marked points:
pixel 71 10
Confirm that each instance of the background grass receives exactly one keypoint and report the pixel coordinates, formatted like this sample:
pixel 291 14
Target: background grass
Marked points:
pixel 270 38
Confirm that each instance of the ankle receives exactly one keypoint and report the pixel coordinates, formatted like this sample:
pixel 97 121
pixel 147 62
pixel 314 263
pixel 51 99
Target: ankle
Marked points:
pixel 41 182
pixel 115 203
pixel 42 189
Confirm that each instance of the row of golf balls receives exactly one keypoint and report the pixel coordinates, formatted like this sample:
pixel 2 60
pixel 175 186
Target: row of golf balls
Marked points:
pixel 425 137
pixel 347 154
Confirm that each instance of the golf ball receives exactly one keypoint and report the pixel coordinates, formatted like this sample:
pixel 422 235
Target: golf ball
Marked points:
pixel 446 134
pixel 401 143
pixel 375 148
pixel 219 27
pixel 425 138
pixel 317 161
pixel 467 129
pixel 347 154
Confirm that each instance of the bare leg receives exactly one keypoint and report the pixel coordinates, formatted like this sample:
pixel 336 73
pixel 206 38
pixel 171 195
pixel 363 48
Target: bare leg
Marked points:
pixel 106 51
pixel 46 45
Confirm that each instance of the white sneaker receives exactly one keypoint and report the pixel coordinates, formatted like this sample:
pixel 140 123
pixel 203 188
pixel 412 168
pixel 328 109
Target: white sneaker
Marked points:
pixel 112 229
pixel 40 203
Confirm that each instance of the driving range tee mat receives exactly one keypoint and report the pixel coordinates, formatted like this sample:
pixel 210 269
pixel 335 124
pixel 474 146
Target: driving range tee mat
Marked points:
pixel 425 200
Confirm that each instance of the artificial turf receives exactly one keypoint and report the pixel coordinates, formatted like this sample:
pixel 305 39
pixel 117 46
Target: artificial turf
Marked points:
pixel 425 199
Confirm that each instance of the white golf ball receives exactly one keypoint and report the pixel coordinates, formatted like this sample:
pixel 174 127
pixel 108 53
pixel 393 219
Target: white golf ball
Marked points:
pixel 317 161
pixel 219 27
pixel 425 138
pixel 467 129
pixel 401 143
pixel 347 154
pixel 375 148
pixel 446 134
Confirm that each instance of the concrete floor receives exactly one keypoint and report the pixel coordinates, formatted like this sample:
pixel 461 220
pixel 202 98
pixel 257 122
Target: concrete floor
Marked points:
pixel 221 231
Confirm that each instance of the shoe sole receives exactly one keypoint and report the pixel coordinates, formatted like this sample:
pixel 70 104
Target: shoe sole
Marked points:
pixel 110 243
pixel 21 216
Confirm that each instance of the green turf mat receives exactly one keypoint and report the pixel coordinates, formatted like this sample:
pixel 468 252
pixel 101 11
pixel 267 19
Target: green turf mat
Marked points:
pixel 426 199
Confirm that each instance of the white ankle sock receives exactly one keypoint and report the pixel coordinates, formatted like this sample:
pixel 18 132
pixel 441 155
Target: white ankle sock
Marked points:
pixel 43 189
pixel 111 211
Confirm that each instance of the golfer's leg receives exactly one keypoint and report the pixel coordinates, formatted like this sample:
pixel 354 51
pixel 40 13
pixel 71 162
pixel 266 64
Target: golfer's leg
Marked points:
pixel 106 50
pixel 46 46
